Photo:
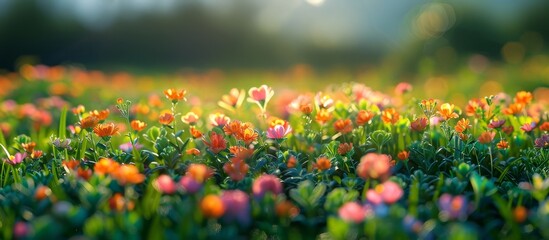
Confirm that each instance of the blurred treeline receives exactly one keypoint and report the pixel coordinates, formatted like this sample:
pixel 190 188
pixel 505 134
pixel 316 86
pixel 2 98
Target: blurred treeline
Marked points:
pixel 195 37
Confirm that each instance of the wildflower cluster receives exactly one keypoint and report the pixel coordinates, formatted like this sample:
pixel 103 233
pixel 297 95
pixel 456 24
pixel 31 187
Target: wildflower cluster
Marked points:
pixel 348 162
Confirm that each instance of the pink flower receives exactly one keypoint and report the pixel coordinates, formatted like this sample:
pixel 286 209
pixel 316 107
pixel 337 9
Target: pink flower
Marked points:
pixel 237 205
pixel 528 127
pixel 373 165
pixel 165 184
pixel 279 131
pixel 128 147
pixel 219 119
pixel 263 93
pixel 21 230
pixel 403 88
pixel 189 184
pixel 352 212
pixel 266 183
pixel 190 118
pixel 16 159
pixel 387 192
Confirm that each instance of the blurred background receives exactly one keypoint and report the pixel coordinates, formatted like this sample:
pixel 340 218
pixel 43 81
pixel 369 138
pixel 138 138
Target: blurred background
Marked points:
pixel 166 35
pixel 92 52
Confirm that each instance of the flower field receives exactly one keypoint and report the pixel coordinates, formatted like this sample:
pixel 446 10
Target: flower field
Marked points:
pixel 91 155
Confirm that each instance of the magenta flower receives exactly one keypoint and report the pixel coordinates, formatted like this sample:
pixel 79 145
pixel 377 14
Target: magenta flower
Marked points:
pixel 266 183
pixel 542 141
pixel 165 184
pixel 279 131
pixel 496 123
pixel 352 212
pixel 453 207
pixel 237 207
pixel 387 192
pixel 16 159
pixel 21 230
pixel 189 184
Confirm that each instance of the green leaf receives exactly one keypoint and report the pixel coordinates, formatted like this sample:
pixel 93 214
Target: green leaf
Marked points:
pixel 338 228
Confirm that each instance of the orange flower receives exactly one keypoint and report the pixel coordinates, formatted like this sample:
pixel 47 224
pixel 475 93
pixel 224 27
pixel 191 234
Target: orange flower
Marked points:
pixel 105 166
pixel 514 109
pixel 193 151
pixel 343 126
pixel 199 172
pixel 323 116
pixel 216 142
pixel 390 115
pixel 523 97
pixel 428 107
pixel 292 162
pixel 463 137
pixel 447 111
pixel 419 125
pixel 119 203
pixel 195 132
pixel 175 95
pixel 105 130
pixel 212 206
pixel 322 163
pixel 247 134
pixel 128 174
pixel 36 154
pixel 286 209
pixel 486 137
pixel 84 173
pixel 503 144
pixel 138 125
pixel 233 100
pixel 233 128
pixel 520 214
pixel 166 118
pixel 236 168
pixel 29 147
pixel 403 155
pixel 71 164
pixel 241 152
pixel 344 148
pixel 42 192
pixel 306 108
pixel 475 105
pixel 89 122
pixel 363 117
pixel 462 125
pixel 544 126
pixel 100 115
